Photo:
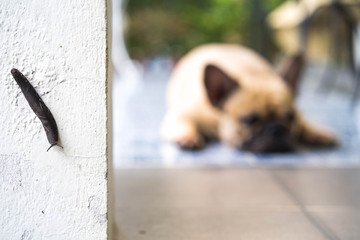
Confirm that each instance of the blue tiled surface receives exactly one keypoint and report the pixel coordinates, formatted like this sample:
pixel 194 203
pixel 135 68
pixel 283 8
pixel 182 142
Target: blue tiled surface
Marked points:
pixel 139 105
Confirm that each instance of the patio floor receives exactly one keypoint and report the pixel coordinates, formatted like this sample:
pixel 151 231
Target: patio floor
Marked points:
pixel 238 204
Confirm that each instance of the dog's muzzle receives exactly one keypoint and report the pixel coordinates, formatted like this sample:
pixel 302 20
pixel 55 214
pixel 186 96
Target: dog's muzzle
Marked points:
pixel 274 137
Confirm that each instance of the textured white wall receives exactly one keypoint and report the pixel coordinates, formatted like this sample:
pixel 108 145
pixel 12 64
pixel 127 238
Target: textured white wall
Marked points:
pixel 61 46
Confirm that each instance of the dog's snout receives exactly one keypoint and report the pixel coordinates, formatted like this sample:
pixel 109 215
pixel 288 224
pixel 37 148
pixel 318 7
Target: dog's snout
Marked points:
pixel 273 138
pixel 276 130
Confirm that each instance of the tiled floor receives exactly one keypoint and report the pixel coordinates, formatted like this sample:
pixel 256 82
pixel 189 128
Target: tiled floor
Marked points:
pixel 238 203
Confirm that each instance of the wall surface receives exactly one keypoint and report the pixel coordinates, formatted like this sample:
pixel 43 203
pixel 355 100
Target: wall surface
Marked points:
pixel 61 46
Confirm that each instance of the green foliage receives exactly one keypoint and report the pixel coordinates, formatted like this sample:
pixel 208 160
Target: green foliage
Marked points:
pixel 173 27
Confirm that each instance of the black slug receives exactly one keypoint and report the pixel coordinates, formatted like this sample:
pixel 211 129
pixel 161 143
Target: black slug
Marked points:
pixel 39 107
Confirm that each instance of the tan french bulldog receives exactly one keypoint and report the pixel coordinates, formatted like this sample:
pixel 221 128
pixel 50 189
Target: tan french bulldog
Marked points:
pixel 228 92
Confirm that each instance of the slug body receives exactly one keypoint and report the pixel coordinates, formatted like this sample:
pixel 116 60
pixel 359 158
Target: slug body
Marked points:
pixel 39 107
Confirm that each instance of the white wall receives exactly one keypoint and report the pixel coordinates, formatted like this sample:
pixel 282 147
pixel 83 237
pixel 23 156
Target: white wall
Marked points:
pixel 61 46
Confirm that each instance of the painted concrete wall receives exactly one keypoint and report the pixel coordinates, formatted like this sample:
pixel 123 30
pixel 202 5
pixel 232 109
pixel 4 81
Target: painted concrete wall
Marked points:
pixel 61 46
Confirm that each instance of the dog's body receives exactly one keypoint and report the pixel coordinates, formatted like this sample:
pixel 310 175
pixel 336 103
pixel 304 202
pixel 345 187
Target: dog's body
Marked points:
pixel 230 93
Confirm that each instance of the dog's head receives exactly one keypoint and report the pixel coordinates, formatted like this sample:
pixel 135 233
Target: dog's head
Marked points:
pixel 258 116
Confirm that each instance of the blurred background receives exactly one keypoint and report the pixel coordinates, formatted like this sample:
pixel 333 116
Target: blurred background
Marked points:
pixel 149 37
pixel 172 28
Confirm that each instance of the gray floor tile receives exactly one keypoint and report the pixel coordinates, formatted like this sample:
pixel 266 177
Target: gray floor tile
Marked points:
pixel 226 204
pixel 214 224
pixel 322 187
pixel 199 187
pixel 344 222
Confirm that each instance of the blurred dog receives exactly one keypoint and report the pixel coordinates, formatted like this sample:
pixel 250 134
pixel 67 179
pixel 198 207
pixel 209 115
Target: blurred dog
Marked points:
pixel 228 92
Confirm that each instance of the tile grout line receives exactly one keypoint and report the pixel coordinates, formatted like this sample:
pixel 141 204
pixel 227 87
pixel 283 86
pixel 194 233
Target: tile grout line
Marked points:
pixel 325 230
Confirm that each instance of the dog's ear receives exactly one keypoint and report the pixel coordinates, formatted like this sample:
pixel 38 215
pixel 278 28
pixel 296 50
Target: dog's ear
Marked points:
pixel 291 69
pixel 218 85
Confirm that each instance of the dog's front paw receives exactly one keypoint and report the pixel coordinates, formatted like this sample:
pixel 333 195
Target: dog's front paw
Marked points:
pixel 319 138
pixel 191 142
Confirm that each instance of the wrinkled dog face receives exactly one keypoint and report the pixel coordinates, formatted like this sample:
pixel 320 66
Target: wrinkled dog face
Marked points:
pixel 257 118
pixel 266 125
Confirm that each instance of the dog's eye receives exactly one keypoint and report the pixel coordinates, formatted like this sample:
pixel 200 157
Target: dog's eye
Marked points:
pixel 290 116
pixel 251 119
